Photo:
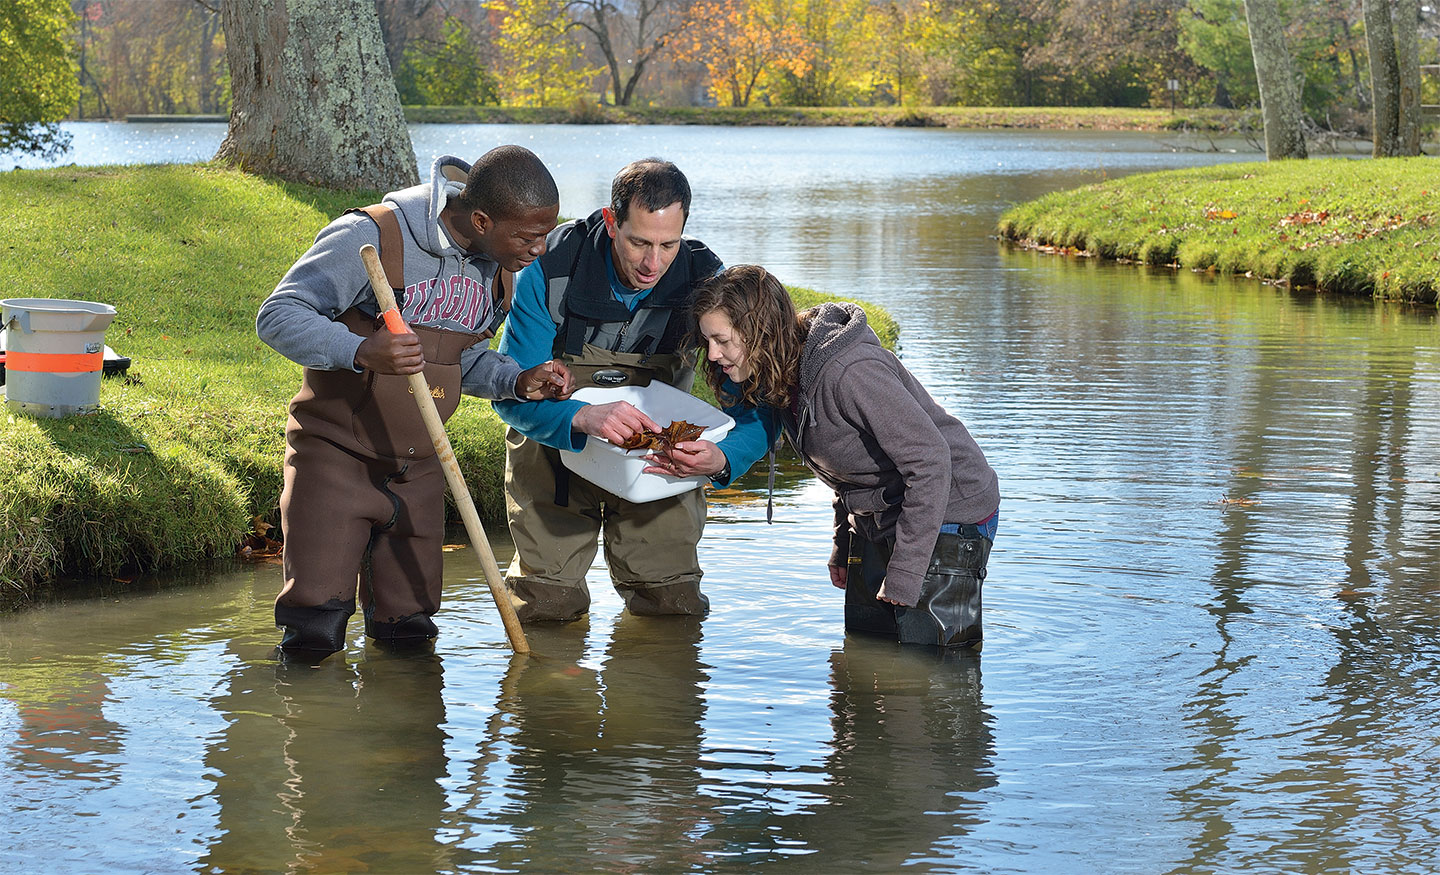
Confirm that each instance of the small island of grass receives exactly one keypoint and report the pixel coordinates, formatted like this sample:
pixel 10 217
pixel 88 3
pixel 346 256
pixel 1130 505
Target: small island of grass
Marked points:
pixel 1361 227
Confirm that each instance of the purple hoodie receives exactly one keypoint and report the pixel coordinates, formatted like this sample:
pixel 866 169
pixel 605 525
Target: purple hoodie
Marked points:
pixel 899 464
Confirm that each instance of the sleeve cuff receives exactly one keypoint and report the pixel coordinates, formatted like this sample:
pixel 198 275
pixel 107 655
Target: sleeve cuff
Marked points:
pixel 722 478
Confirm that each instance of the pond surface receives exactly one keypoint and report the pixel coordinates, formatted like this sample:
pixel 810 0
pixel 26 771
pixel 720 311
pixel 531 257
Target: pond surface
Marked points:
pixel 1212 616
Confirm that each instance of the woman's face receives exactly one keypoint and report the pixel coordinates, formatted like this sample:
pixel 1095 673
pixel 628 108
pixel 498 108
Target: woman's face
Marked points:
pixel 725 346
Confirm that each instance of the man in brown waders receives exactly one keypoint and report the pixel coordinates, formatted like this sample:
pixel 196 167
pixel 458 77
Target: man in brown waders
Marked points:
pixel 363 500
pixel 611 297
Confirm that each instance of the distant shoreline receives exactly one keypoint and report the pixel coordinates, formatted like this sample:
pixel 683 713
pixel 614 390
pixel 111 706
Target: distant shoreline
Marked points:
pixel 170 118
pixel 1056 118
pixel 1025 117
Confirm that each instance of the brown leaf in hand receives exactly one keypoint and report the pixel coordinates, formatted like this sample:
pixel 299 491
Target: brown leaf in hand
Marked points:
pixel 669 436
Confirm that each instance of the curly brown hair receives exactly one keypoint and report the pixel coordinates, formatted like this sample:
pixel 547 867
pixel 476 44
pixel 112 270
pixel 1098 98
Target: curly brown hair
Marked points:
pixel 763 315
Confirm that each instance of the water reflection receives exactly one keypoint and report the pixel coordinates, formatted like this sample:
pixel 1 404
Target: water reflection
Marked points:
pixel 602 763
pixel 911 750
pixel 1212 616
pixel 1371 619
pixel 332 767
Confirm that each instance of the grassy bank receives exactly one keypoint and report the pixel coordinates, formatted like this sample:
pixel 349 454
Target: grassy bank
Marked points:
pixel 1361 227
pixel 1040 117
pixel 186 452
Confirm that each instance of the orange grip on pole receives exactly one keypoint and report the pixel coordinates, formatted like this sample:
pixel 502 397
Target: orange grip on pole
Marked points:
pixel 394 322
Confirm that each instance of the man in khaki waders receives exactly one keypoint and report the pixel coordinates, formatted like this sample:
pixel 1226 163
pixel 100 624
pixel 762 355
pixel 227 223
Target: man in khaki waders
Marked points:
pixel 612 294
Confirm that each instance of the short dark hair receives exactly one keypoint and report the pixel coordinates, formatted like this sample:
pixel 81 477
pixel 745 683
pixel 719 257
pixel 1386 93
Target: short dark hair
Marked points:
pixel 654 183
pixel 507 181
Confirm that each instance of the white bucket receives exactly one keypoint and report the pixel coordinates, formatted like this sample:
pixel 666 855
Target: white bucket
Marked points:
pixel 623 471
pixel 54 354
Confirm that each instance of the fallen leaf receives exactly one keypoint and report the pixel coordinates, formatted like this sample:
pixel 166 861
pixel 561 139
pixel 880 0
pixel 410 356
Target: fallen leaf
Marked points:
pixel 674 433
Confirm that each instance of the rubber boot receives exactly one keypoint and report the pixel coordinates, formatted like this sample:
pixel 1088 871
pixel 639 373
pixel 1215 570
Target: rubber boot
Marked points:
pixel 535 601
pixel 314 629
pixel 683 599
pixel 948 611
pixel 414 629
pixel 865 574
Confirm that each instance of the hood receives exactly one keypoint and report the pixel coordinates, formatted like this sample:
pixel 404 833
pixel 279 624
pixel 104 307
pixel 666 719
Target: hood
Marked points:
pixel 420 205
pixel 835 327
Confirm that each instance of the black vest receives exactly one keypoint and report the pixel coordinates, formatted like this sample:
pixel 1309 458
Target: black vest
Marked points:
pixel 577 288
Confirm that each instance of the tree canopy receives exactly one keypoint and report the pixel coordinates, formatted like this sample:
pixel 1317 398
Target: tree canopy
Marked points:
pixel 38 81
pixel 140 56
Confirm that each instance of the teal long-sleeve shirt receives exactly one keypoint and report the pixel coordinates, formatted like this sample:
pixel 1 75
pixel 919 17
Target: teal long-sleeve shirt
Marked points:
pixel 530 338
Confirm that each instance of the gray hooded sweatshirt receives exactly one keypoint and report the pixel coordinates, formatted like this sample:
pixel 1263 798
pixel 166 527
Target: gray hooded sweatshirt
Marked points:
pixel 899 464
pixel 445 287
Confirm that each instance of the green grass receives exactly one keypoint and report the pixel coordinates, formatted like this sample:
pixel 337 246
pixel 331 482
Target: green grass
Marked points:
pixel 1046 117
pixel 1360 227
pixel 187 449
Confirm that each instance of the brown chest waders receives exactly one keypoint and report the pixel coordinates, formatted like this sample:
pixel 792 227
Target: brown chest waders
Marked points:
pixel 556 518
pixel 948 612
pixel 363 500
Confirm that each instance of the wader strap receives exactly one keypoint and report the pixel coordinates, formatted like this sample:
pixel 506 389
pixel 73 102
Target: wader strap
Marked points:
pixel 392 259
pixel 506 279
pixel 570 339
pixel 571 336
pixel 502 295
pixel 562 486
pixel 392 250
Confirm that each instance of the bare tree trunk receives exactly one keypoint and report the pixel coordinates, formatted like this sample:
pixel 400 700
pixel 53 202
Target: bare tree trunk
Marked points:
pixel 312 95
pixel 644 30
pixel 210 92
pixel 1384 78
pixel 1405 16
pixel 1279 86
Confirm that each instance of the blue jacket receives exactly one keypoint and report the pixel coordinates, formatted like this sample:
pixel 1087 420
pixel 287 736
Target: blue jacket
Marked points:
pixel 530 338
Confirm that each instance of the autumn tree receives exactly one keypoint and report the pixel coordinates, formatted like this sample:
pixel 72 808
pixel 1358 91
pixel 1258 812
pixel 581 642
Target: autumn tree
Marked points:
pixel 1322 37
pixel 138 56
pixel 448 73
pixel 539 56
pixel 834 30
pixel 894 32
pixel 38 84
pixel 740 43
pixel 629 36
pixel 1391 32
pixel 1275 75
pixel 979 53
pixel 311 106
pixel 1121 51
pixel 404 23
pixel 1213 34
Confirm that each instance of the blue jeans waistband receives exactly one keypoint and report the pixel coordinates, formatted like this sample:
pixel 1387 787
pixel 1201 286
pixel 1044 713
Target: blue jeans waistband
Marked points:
pixel 986 528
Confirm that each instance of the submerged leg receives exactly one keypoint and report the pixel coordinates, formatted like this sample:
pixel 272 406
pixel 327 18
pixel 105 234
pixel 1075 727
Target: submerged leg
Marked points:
pixel 864 613
pixel 948 612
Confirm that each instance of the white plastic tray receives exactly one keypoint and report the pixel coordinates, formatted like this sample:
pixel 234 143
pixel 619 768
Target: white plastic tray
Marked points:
pixel 623 471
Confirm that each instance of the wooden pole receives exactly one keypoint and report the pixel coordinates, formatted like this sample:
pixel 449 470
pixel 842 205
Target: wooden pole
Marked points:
pixel 420 387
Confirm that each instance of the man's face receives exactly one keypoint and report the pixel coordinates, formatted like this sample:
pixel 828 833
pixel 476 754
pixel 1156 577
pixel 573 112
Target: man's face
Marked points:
pixel 645 243
pixel 518 240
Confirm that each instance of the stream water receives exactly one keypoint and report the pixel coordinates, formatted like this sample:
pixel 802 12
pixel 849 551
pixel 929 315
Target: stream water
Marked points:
pixel 1212 625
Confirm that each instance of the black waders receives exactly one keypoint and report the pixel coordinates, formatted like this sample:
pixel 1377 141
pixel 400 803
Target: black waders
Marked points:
pixel 948 612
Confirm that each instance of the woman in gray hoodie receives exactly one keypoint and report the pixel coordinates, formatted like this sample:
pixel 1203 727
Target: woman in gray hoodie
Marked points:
pixel 916 504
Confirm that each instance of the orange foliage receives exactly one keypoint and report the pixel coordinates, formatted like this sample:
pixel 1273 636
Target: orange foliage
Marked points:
pixel 740 44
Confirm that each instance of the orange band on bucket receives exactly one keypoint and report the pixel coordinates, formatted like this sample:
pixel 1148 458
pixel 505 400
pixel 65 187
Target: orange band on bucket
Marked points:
pixel 394 322
pixel 54 362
